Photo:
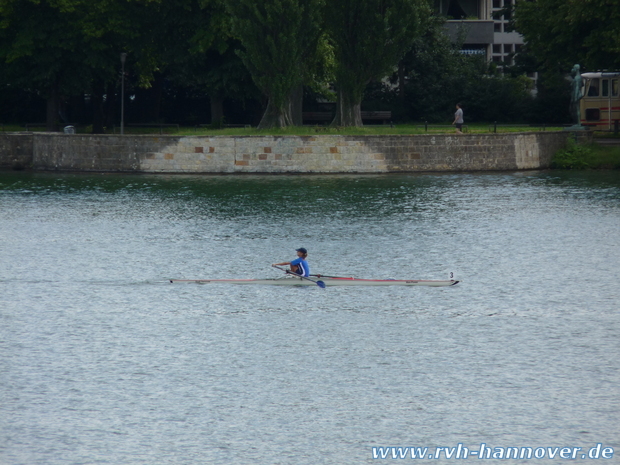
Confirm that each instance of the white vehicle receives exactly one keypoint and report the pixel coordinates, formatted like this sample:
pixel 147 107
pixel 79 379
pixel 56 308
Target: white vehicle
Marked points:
pixel 600 105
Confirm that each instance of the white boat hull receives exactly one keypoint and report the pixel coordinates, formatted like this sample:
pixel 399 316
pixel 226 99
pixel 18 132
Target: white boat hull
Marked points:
pixel 329 282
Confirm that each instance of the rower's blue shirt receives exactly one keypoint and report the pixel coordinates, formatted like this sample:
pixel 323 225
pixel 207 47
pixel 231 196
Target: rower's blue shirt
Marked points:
pixel 304 266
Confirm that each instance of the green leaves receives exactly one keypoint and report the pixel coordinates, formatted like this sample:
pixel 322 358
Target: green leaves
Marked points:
pixel 369 38
pixel 279 37
pixel 561 33
pixel 573 157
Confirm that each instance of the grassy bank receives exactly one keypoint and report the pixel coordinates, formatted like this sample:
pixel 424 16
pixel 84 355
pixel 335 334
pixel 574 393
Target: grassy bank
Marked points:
pixel 587 156
pixel 379 129
pixel 385 129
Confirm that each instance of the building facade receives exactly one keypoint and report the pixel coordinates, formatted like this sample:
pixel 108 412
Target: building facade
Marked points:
pixel 481 28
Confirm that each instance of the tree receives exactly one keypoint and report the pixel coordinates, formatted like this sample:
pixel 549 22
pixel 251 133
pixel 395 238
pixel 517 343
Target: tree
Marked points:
pixel 61 48
pixel 206 60
pixel 369 38
pixel 279 37
pixel 434 75
pixel 219 75
pixel 430 74
pixel 201 54
pixel 40 44
pixel 561 33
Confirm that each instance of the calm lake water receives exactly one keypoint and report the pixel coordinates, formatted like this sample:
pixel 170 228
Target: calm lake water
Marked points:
pixel 103 361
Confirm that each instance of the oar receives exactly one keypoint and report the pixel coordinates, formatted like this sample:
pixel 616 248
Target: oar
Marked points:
pixel 319 283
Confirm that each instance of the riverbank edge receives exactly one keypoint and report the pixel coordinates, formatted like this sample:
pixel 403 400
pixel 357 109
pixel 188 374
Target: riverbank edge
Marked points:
pixel 322 154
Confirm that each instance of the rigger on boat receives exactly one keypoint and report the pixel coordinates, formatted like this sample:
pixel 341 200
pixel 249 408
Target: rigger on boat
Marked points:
pixel 327 281
pixel 299 275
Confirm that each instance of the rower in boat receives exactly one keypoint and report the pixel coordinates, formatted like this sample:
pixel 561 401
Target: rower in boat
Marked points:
pixel 299 265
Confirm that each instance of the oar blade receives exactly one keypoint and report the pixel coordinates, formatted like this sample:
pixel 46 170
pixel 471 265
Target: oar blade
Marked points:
pixel 321 284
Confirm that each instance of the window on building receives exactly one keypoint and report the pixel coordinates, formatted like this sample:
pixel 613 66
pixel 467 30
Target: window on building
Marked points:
pixel 497 27
pixel 455 11
pixel 614 87
pixel 593 90
pixel 497 3
pixel 605 87
pixel 463 9
pixel 497 48
pixel 593 114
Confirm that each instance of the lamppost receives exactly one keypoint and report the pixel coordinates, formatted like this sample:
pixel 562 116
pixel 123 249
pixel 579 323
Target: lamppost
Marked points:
pixel 123 57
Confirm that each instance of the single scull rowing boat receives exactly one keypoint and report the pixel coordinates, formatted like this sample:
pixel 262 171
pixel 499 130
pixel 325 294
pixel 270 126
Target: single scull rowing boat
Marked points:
pixel 329 281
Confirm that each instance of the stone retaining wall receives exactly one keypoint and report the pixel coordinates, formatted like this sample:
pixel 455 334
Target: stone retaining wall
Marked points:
pixel 281 154
pixel 15 151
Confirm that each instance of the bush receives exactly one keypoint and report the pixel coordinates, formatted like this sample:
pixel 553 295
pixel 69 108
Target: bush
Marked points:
pixel 218 123
pixel 573 157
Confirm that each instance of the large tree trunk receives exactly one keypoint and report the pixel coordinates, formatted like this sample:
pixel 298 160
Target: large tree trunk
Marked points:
pixel 217 110
pixel 53 104
pixel 148 101
pixel 110 105
pixel 97 101
pixel 275 117
pixel 348 109
pixel 401 82
pixel 77 107
pixel 158 88
pixel 297 98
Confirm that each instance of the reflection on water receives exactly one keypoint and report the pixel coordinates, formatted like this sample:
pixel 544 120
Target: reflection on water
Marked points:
pixel 103 361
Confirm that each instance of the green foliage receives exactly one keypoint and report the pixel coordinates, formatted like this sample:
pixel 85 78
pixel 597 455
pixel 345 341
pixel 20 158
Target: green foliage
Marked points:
pixel 240 49
pixel 61 48
pixel 369 38
pixel 434 75
pixel 428 72
pixel 592 156
pixel 218 123
pixel 607 157
pixel 573 157
pixel 561 33
pixel 18 104
pixel 214 73
pixel 279 38
pixel 39 45
pixel 551 104
pixel 321 68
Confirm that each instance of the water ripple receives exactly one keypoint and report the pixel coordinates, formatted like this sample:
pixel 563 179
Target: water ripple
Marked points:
pixel 104 361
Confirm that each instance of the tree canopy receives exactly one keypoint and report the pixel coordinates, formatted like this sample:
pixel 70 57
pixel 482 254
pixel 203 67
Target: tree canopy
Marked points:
pixel 560 33
pixel 235 50
pixel 279 38
pixel 62 47
pixel 42 46
pixel 369 38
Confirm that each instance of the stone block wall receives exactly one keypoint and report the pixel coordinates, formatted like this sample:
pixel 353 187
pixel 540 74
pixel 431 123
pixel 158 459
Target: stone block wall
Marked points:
pixel 15 151
pixel 355 154
pixel 76 152
pixel 283 154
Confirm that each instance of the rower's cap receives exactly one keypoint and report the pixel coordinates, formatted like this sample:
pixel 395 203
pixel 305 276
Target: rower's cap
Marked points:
pixel 302 250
